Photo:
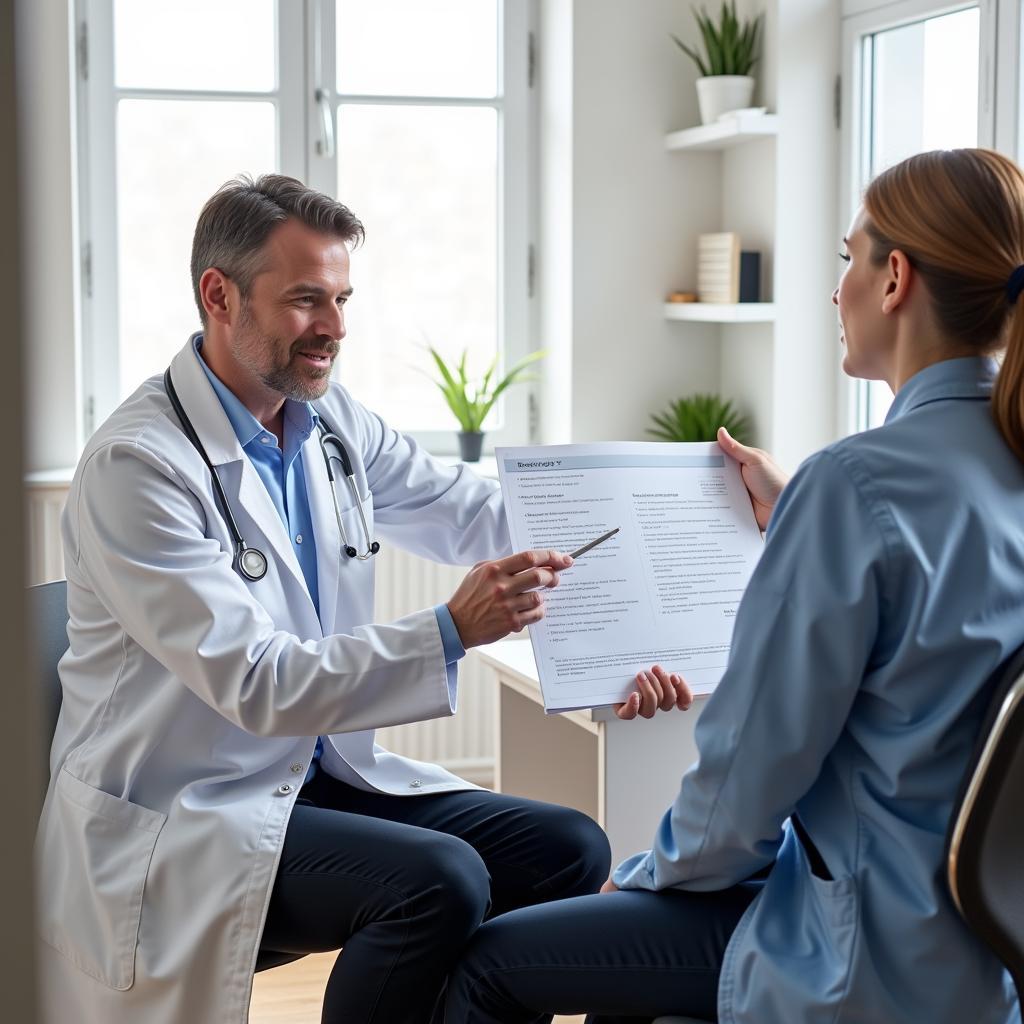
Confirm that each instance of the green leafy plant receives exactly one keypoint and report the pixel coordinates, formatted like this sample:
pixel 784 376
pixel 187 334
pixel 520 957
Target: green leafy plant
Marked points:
pixel 697 418
pixel 471 402
pixel 730 45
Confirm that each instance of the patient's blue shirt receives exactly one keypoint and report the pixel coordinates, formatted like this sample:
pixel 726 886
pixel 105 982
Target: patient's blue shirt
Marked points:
pixel 890 589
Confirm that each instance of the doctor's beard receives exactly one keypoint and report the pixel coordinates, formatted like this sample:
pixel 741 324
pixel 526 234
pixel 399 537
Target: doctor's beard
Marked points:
pixel 260 354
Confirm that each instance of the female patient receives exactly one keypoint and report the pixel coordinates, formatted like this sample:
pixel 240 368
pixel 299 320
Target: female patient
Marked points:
pixel 891 587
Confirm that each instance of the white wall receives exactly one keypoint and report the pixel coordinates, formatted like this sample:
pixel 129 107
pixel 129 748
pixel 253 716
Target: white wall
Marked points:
pixel 785 375
pixel 806 351
pixel 747 206
pixel 617 227
pixel 620 217
pixel 554 244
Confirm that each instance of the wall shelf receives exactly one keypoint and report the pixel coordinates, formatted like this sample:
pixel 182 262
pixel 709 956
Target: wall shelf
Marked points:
pixel 721 313
pixel 734 131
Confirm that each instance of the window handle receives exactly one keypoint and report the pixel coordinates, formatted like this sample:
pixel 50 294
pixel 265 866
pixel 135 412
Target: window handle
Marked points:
pixel 325 144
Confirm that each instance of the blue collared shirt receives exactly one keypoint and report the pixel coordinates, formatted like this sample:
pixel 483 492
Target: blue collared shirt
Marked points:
pixel 281 471
pixel 890 588
pixel 283 474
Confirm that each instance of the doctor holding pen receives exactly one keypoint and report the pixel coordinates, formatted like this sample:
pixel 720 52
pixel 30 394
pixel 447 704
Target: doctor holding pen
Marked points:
pixel 799 874
pixel 217 802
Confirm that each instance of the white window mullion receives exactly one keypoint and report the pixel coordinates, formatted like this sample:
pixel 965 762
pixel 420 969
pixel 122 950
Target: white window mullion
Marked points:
pixel 515 159
pixel 97 138
pixel 987 74
pixel 292 134
pixel 320 118
pixel 1007 136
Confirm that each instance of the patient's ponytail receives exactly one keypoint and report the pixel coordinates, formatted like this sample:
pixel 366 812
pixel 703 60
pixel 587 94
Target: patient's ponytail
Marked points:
pixel 1008 394
pixel 958 215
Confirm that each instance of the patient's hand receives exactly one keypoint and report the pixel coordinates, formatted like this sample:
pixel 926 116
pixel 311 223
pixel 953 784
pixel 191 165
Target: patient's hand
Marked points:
pixel 655 689
pixel 762 475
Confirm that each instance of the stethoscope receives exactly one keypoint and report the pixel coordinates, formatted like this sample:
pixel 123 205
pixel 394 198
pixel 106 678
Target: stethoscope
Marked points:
pixel 251 563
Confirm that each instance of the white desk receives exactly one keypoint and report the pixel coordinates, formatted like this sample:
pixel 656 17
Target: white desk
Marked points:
pixel 623 774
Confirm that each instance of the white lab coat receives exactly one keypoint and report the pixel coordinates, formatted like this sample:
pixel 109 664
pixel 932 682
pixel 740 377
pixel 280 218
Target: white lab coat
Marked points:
pixel 192 699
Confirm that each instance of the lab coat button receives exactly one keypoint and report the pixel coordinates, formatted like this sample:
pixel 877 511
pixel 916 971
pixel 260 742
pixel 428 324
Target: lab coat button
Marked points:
pixel 298 766
pixel 285 789
pixel 415 784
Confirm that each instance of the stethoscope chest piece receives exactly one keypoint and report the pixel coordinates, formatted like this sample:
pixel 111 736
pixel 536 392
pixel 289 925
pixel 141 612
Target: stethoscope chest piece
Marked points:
pixel 251 563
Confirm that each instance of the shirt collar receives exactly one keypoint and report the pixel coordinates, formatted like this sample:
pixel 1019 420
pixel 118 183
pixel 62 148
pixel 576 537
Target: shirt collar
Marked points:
pixel 300 415
pixel 968 377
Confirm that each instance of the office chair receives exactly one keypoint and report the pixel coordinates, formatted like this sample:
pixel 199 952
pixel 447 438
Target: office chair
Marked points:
pixel 985 843
pixel 48 618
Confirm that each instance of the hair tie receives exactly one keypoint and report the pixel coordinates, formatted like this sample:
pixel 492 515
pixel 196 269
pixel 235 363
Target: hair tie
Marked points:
pixel 1015 285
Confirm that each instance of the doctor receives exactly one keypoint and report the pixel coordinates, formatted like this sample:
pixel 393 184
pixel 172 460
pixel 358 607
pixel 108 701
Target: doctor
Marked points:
pixel 220 590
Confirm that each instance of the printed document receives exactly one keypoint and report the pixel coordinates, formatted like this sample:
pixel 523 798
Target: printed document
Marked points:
pixel 663 591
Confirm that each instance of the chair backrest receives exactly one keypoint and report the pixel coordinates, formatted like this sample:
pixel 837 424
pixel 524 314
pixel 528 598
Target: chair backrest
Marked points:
pixel 48 615
pixel 985 845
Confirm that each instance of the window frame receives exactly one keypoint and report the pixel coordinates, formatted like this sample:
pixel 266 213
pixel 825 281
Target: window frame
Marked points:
pixel 305 59
pixel 999 110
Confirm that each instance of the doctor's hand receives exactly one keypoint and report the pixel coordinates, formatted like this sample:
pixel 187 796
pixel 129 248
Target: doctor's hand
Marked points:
pixel 762 475
pixel 498 598
pixel 655 689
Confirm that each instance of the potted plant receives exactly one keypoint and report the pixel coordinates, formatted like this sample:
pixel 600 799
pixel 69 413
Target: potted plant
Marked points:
pixel 470 403
pixel 697 418
pixel 725 83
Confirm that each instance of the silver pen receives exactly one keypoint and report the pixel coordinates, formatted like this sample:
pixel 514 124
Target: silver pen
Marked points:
pixel 593 544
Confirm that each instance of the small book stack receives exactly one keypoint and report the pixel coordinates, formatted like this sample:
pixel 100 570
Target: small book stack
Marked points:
pixel 724 274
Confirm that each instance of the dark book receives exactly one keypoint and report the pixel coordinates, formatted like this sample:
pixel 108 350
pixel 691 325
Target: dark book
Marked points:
pixel 750 277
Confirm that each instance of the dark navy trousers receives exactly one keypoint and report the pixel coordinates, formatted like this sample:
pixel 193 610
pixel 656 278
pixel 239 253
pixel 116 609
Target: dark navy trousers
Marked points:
pixel 403 882
pixel 622 957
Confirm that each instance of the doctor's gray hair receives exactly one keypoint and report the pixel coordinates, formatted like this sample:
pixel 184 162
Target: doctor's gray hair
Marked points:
pixel 237 220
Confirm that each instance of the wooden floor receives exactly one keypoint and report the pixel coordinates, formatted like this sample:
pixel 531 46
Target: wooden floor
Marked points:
pixel 292 994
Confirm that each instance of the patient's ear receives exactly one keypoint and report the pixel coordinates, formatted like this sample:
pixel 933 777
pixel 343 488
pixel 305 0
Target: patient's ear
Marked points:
pixel 897 280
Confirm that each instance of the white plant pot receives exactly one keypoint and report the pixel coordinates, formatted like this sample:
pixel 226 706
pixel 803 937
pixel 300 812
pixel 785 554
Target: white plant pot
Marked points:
pixel 721 93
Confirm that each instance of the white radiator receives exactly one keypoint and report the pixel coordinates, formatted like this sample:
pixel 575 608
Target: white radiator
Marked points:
pixel 45 499
pixel 464 743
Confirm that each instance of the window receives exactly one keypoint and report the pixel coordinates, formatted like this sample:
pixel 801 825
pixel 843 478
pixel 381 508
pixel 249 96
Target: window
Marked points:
pixel 413 115
pixel 912 75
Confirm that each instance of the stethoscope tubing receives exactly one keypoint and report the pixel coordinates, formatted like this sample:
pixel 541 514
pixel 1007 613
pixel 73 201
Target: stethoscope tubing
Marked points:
pixel 249 562
pixel 328 437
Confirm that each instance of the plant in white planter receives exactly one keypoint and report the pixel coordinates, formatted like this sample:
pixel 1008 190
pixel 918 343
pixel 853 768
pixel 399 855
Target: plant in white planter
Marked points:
pixel 731 53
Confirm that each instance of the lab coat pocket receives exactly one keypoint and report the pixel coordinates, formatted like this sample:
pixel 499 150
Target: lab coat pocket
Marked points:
pixel 831 926
pixel 94 856
pixel 835 899
pixel 795 946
